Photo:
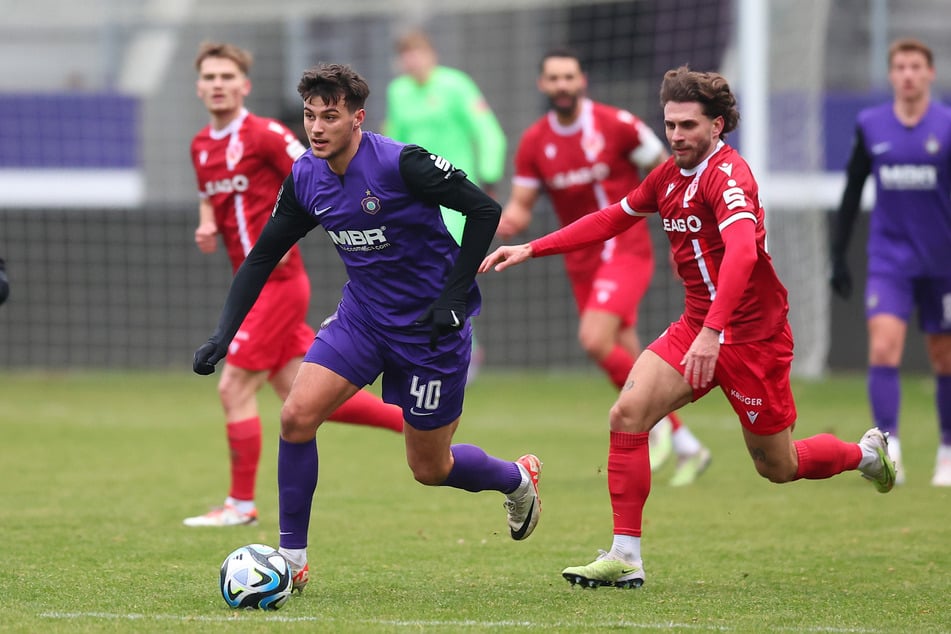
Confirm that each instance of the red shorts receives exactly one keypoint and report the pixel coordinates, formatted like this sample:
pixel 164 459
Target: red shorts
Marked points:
pixel 275 331
pixel 754 376
pixel 615 287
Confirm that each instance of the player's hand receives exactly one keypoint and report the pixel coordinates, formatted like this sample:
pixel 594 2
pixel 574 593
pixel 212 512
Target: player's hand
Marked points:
pixel 701 358
pixel 507 227
pixel 207 356
pixel 841 280
pixel 506 256
pixel 445 316
pixel 206 237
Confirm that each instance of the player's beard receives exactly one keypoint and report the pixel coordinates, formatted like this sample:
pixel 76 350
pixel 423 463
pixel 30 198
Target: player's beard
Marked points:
pixel 564 104
pixel 697 153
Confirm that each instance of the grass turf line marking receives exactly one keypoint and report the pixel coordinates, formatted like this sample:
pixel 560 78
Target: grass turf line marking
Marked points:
pixel 416 624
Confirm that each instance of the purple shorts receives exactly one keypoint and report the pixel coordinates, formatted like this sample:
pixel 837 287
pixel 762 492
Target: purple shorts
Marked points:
pixel 898 295
pixel 429 385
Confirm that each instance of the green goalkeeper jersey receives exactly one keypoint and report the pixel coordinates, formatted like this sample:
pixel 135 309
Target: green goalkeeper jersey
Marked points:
pixel 448 116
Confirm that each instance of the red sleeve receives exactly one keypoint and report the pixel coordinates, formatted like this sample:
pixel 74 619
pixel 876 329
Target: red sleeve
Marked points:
pixel 193 150
pixel 642 199
pixel 282 146
pixel 588 230
pixel 736 269
pixel 524 157
pixel 627 131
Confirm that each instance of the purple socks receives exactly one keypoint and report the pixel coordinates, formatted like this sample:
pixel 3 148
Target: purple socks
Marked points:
pixel 474 470
pixel 943 399
pixel 884 395
pixel 296 484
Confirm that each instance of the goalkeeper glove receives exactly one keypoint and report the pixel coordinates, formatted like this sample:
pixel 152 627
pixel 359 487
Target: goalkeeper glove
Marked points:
pixel 841 279
pixel 446 316
pixel 207 356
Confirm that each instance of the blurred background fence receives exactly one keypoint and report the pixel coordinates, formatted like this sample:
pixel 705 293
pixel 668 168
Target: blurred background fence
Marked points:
pixel 98 106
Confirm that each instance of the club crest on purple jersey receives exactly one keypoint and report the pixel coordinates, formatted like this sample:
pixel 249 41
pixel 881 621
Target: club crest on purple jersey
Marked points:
pixel 932 145
pixel 370 204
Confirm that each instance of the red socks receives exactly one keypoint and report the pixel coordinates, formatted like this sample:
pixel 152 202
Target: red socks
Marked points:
pixel 244 441
pixel 674 419
pixel 629 480
pixel 824 455
pixel 364 408
pixel 617 365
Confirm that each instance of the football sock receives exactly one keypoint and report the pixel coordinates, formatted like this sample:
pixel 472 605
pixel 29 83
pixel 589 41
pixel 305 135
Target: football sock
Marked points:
pixel 823 456
pixel 474 470
pixel 296 483
pixel 617 365
pixel 629 480
pixel 894 445
pixel 884 395
pixel 244 443
pixel 627 547
pixel 365 408
pixel 674 419
pixel 943 399
pixel 297 557
pixel 242 506
pixel 684 442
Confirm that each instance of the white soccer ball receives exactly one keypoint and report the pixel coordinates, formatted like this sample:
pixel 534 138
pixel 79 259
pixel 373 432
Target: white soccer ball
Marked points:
pixel 255 576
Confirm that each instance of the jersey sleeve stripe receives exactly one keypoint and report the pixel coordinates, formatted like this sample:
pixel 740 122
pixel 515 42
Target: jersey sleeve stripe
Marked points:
pixel 746 215
pixel 650 148
pixel 629 211
pixel 527 181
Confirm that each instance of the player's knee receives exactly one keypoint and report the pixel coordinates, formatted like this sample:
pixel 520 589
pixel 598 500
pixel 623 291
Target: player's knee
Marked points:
pixel 884 351
pixel 776 473
pixel 594 344
pixel 297 424
pixel 427 473
pixel 941 363
pixel 229 391
pixel 623 418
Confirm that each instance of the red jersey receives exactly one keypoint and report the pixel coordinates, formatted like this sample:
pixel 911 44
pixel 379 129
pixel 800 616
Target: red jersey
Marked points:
pixel 586 166
pixel 695 205
pixel 240 169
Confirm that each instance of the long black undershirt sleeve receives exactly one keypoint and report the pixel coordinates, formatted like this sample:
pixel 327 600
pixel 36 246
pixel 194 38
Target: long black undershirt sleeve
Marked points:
pixel 288 224
pixel 858 169
pixel 451 188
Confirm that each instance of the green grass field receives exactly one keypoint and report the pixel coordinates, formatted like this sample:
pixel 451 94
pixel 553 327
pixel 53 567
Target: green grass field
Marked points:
pixel 98 470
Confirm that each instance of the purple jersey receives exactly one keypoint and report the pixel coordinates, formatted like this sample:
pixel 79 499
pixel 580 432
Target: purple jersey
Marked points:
pixel 383 215
pixel 394 245
pixel 910 231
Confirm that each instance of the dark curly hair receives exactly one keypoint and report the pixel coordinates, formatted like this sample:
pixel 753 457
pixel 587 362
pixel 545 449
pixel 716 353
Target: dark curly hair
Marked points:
pixel 333 82
pixel 709 89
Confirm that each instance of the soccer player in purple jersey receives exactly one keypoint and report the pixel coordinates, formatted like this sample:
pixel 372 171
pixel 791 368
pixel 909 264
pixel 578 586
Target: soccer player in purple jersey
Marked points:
pixel 404 312
pixel 907 145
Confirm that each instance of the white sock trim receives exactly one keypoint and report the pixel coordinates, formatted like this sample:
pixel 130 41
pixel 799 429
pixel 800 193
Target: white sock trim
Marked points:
pixel 684 442
pixel 627 547
pixel 296 556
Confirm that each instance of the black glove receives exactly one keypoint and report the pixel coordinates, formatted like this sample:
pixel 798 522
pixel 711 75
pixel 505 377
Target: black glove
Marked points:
pixel 207 356
pixel 841 279
pixel 446 317
pixel 4 284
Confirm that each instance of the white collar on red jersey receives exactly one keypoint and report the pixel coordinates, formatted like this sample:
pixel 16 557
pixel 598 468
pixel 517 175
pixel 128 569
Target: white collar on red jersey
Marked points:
pixel 231 128
pixel 702 165
pixel 575 126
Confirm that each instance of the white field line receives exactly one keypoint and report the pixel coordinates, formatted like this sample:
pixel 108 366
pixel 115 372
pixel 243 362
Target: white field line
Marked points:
pixel 278 618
